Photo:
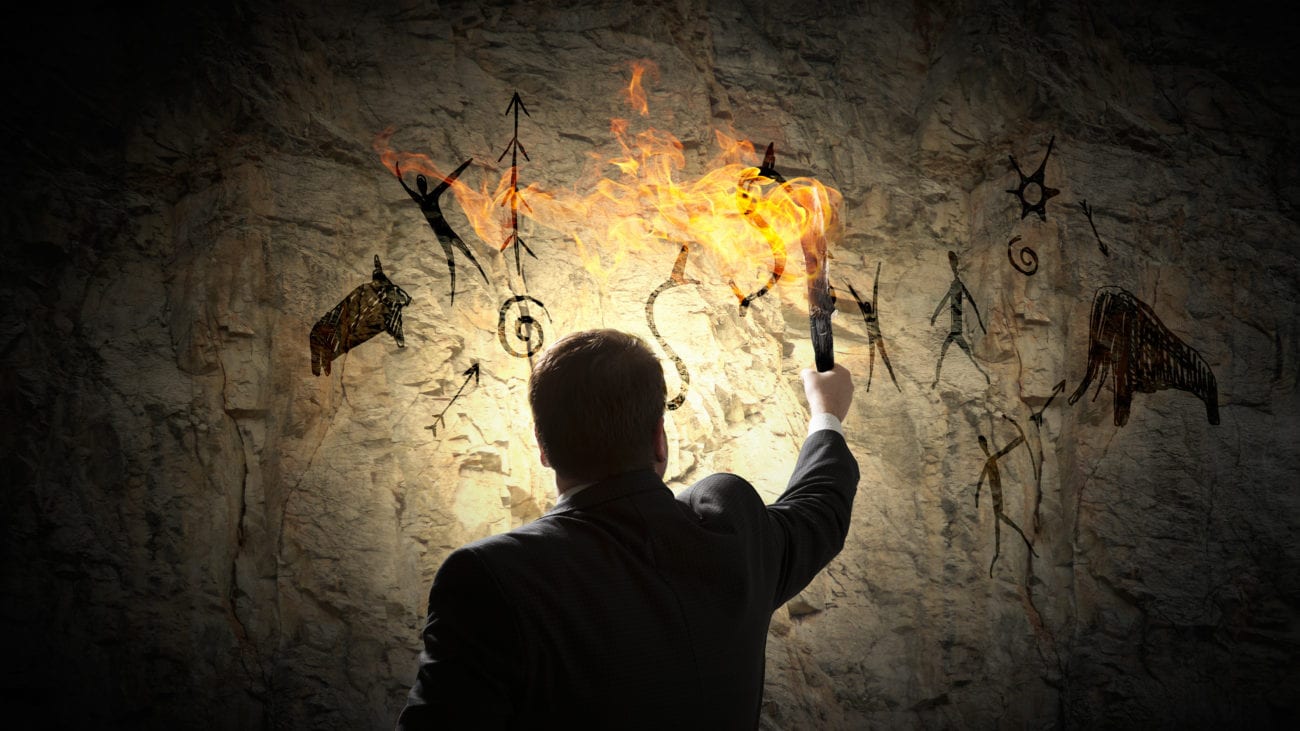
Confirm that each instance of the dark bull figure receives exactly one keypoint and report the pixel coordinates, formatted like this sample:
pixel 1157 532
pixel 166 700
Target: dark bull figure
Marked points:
pixel 368 310
pixel 1126 336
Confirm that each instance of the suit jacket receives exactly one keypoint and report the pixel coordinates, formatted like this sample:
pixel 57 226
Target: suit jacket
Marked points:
pixel 627 607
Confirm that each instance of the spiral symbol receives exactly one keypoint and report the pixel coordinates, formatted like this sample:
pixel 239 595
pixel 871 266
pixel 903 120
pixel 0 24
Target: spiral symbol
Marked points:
pixel 1028 263
pixel 527 328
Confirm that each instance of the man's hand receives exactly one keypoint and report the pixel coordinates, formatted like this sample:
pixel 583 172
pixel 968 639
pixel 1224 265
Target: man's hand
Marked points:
pixel 830 392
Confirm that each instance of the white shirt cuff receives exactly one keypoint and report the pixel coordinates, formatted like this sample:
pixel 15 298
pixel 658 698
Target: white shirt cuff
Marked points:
pixel 824 421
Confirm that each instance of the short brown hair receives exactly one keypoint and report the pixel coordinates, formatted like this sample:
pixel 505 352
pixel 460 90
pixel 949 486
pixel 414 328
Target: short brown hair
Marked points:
pixel 596 398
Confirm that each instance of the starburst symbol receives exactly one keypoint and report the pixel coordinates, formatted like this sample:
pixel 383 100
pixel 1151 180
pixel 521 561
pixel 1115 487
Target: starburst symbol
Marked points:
pixel 1032 186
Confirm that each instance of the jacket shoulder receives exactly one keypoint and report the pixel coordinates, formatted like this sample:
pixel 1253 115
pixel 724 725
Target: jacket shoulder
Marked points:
pixel 722 496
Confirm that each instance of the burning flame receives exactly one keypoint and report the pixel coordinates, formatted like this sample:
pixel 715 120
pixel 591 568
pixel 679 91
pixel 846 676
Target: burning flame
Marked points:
pixel 643 197
pixel 415 163
pixel 635 94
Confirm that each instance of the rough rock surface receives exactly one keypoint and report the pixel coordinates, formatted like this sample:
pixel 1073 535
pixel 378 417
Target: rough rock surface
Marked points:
pixel 196 527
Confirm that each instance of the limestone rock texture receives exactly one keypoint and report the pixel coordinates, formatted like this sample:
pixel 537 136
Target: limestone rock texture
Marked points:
pixel 199 532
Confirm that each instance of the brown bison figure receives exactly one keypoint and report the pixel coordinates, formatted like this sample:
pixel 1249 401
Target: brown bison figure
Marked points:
pixel 368 310
pixel 1126 336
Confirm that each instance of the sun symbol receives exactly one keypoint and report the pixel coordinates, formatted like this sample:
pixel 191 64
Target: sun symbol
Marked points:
pixel 1033 188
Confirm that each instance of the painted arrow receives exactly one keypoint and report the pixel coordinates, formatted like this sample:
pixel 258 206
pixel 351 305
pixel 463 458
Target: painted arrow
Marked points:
pixel 514 148
pixel 471 372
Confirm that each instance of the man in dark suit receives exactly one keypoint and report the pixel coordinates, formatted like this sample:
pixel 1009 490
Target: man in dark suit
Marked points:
pixel 624 606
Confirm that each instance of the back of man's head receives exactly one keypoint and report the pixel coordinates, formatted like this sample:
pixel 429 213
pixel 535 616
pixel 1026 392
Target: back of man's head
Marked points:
pixel 597 397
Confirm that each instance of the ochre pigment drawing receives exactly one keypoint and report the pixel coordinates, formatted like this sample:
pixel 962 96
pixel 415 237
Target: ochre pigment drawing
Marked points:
pixel 370 309
pixel 1125 337
pixel 677 277
pixel 992 473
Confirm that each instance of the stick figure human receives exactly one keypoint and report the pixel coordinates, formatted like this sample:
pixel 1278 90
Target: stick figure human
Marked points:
pixel 995 486
pixel 956 329
pixel 428 201
pixel 871 315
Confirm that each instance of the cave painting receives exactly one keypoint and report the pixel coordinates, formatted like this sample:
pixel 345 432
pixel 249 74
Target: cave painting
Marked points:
pixel 526 328
pixel 513 198
pixel 956 326
pixel 429 205
pixel 1126 337
pixel 471 372
pixel 1087 211
pixel 370 309
pixel 871 316
pixel 1037 419
pixel 1032 188
pixel 745 200
pixel 994 477
pixel 677 277
pixel 1037 416
pixel 1028 263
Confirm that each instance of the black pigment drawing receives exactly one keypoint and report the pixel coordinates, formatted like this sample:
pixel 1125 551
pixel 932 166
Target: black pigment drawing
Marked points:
pixel 1126 337
pixel 1032 188
pixel 956 326
pixel 1037 416
pixel 745 198
pixel 1028 263
pixel 1034 460
pixel 512 197
pixel 1037 419
pixel 471 372
pixel 429 205
pixel 871 316
pixel 1087 211
pixel 994 477
pixel 370 309
pixel 677 277
pixel 526 328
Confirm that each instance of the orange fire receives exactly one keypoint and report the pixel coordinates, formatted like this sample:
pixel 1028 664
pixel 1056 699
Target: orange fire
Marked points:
pixel 643 197
pixel 415 163
pixel 635 93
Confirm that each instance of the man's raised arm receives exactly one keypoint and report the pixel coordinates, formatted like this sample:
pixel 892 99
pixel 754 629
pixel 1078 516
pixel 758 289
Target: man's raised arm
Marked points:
pixel 813 513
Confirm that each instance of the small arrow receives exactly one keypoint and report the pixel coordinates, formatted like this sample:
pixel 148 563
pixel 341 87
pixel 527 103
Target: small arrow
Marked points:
pixel 1087 211
pixel 471 372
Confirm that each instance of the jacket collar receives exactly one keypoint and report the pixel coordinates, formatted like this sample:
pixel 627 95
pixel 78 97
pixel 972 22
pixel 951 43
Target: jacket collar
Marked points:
pixel 611 488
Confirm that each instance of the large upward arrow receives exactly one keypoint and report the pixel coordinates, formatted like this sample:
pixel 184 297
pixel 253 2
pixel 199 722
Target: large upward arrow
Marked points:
pixel 524 325
pixel 514 148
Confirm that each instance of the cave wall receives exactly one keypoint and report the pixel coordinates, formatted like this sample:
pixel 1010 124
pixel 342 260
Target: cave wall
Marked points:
pixel 197 527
